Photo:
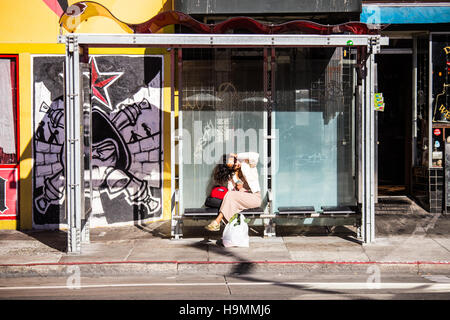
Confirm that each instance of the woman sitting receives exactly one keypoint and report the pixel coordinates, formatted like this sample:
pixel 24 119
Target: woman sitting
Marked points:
pixel 243 185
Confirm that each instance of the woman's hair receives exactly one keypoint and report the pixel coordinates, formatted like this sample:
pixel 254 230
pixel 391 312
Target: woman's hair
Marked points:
pixel 222 172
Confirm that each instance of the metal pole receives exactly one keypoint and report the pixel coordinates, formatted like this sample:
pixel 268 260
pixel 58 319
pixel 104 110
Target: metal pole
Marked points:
pixel 430 105
pixel 371 146
pixel 414 111
pixel 72 146
pixel 180 131
pixel 362 154
pixel 368 215
pixel 179 138
pixel 172 144
pixel 269 226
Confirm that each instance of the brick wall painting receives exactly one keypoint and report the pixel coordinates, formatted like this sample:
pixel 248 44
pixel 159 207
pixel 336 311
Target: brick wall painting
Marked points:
pixel 126 99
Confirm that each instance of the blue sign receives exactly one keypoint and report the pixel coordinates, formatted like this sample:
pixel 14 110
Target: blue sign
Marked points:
pixel 379 14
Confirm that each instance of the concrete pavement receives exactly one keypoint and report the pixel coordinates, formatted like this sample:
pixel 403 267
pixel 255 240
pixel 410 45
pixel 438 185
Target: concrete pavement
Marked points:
pixel 408 240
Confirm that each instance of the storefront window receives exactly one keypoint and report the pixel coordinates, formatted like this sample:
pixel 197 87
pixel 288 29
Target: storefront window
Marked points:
pixel 8 152
pixel 314 117
pixel 441 95
pixel 422 101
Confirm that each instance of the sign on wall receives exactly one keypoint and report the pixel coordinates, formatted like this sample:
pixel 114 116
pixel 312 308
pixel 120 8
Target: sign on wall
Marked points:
pixel 441 77
pixel 8 193
pixel 126 100
pixel 378 101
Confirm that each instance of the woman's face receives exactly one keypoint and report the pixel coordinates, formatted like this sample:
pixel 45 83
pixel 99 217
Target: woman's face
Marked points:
pixel 233 163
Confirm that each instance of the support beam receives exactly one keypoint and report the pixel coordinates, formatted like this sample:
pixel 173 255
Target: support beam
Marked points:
pixel 368 150
pixel 72 146
pixel 221 40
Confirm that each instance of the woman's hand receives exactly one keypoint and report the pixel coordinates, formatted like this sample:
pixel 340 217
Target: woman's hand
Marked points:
pixel 240 186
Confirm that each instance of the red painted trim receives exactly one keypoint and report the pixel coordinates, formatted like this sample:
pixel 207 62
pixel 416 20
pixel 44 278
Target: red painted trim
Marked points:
pixel 8 166
pixel 12 218
pixel 230 262
pixel 168 18
pixel 172 17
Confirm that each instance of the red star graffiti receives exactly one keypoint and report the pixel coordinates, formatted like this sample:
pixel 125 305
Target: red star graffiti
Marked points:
pixel 100 81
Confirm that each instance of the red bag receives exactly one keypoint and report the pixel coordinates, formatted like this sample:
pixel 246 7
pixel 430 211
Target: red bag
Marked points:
pixel 219 192
pixel 215 198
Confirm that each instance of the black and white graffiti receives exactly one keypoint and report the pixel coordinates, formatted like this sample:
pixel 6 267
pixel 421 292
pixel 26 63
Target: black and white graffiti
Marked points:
pixel 126 100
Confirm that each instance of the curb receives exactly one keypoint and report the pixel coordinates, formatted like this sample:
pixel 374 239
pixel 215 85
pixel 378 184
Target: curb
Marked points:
pixel 126 268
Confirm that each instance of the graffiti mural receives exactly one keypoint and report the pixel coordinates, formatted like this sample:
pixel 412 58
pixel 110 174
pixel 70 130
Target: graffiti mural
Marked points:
pixel 126 100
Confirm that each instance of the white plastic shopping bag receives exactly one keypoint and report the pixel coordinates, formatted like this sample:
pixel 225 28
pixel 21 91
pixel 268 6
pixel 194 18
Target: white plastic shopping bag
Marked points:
pixel 235 233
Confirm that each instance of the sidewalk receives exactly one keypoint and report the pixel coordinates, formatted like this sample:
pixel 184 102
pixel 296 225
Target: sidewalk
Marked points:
pixel 406 241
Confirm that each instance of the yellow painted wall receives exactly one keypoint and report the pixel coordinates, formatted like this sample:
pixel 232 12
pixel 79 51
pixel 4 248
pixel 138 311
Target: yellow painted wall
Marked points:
pixel 30 27
pixel 25 21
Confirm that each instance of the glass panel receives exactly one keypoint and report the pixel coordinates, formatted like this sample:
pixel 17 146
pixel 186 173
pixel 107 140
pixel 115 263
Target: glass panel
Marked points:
pixel 85 76
pixel 222 112
pixel 7 111
pixel 441 94
pixel 314 121
pixel 422 101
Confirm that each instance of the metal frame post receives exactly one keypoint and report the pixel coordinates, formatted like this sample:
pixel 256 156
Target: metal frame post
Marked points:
pixel 269 224
pixel 368 148
pixel 176 136
pixel 173 203
pixel 180 133
pixel 72 146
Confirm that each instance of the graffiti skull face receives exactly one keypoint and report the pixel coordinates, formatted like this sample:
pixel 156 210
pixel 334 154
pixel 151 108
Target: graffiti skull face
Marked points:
pixel 104 156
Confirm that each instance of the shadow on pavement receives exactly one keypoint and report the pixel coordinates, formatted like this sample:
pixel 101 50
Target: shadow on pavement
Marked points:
pixel 244 269
pixel 55 239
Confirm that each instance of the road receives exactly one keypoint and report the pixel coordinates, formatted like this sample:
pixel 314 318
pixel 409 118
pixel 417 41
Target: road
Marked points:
pixel 306 286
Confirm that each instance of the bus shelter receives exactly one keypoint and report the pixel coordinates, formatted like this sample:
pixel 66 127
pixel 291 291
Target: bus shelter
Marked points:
pixel 304 102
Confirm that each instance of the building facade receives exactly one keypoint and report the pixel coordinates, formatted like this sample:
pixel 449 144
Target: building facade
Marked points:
pixel 127 84
pixel 412 73
pixel 131 95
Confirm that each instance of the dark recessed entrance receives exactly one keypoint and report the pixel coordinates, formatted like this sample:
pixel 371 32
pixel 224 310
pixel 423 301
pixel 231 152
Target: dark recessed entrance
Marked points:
pixel 394 124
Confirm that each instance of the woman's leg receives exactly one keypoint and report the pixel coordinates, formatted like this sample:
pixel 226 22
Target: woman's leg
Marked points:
pixel 219 217
pixel 215 224
pixel 234 202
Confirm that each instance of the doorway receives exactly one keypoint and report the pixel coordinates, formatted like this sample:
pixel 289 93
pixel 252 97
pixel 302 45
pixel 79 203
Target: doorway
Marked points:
pixel 394 123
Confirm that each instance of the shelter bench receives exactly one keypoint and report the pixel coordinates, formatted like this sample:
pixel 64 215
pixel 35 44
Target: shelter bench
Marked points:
pixel 257 217
pixel 330 216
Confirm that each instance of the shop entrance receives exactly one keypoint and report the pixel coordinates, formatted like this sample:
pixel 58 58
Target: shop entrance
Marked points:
pixel 394 123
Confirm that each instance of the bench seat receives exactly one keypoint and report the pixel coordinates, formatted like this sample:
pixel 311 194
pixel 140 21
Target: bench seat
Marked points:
pixel 212 212
pixel 296 211
pixel 337 211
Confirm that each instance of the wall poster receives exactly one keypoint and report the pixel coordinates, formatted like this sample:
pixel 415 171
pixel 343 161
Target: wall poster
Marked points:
pixel 8 193
pixel 127 151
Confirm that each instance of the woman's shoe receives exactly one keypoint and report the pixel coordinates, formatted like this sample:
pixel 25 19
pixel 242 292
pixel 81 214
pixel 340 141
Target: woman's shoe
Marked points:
pixel 213 226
